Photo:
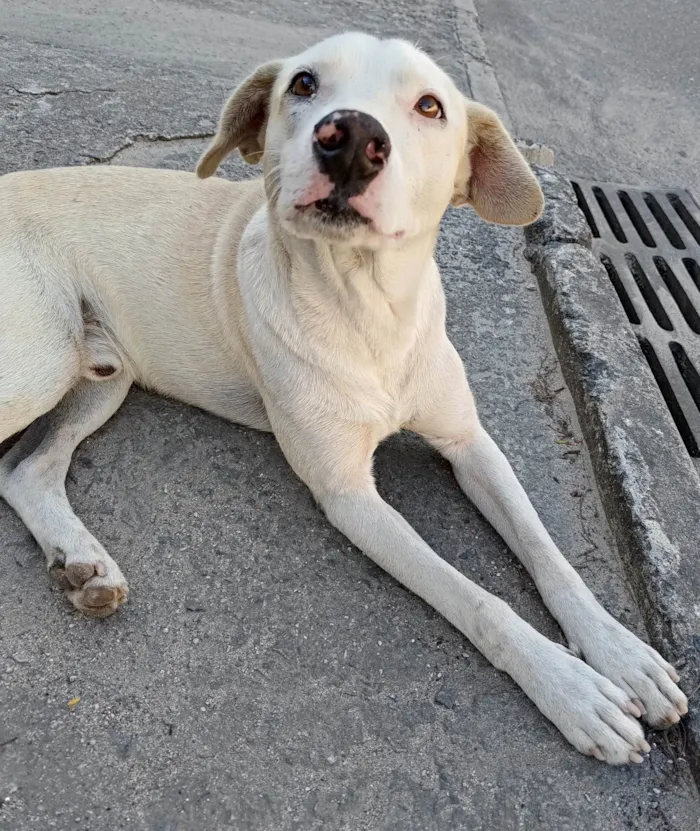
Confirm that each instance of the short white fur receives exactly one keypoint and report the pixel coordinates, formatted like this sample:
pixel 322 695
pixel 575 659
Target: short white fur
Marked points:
pixel 230 298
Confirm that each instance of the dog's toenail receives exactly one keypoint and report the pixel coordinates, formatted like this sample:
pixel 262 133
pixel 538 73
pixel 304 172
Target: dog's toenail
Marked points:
pixel 638 704
pixel 670 721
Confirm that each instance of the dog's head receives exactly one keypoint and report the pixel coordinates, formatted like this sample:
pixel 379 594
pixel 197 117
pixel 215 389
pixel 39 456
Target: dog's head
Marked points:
pixel 367 141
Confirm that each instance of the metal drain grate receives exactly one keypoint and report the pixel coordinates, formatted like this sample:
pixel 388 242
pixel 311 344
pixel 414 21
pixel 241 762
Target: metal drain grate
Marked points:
pixel 649 243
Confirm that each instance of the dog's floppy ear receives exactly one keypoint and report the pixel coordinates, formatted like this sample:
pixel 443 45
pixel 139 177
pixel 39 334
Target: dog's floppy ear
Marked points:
pixel 493 176
pixel 243 121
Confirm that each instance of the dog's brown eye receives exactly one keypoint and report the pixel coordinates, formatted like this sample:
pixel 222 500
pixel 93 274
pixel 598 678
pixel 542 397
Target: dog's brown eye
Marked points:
pixel 429 106
pixel 303 84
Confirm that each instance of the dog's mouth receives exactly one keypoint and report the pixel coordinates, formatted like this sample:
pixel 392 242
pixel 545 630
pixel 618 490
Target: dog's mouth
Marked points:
pixel 334 210
pixel 336 216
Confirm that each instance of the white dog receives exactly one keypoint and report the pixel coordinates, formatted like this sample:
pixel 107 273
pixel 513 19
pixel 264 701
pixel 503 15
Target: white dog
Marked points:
pixel 307 303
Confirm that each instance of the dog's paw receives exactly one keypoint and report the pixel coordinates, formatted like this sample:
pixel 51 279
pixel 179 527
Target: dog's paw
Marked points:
pixel 598 718
pixel 94 584
pixel 636 668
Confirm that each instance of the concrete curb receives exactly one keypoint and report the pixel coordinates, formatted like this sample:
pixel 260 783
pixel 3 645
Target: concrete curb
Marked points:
pixel 649 487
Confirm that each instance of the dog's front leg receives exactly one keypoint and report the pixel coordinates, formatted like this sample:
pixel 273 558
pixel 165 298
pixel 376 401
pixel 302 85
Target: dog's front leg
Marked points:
pixel 487 478
pixel 590 711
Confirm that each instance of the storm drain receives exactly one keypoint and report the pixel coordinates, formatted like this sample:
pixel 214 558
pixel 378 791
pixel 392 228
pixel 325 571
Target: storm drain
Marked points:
pixel 649 244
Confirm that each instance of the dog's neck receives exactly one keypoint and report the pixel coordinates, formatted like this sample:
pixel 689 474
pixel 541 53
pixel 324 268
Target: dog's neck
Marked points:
pixel 380 294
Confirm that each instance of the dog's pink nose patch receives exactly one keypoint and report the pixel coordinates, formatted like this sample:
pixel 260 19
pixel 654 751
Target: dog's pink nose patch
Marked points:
pixel 375 151
pixel 329 135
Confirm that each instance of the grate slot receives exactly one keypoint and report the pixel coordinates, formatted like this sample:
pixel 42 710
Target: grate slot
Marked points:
pixel 664 222
pixel 583 205
pixel 648 293
pixel 670 398
pixel 678 293
pixel 619 287
pixel 688 372
pixel 609 214
pixel 693 270
pixel 685 215
pixel 636 218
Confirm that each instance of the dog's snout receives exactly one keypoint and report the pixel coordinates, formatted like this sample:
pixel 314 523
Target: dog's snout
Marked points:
pixel 351 147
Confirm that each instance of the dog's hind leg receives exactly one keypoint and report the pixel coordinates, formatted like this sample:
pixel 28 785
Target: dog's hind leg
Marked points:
pixel 43 340
pixel 39 363
pixel 32 480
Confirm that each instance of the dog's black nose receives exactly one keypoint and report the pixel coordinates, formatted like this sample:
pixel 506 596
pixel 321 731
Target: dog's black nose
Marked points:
pixel 351 148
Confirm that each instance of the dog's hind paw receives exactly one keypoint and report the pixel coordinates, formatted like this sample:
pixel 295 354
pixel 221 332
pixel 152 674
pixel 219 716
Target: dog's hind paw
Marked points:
pixel 95 585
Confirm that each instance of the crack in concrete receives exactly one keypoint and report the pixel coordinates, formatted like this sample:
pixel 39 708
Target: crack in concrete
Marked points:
pixel 148 138
pixel 477 58
pixel 38 92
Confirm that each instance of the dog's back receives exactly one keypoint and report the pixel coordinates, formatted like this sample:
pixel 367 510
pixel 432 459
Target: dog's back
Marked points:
pixel 64 262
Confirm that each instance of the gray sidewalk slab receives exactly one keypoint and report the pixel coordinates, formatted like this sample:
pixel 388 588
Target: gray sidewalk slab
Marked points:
pixel 612 87
pixel 264 674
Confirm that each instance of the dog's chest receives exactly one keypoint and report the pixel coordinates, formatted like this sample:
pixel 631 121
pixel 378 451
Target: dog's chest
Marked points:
pixel 370 371
pixel 379 389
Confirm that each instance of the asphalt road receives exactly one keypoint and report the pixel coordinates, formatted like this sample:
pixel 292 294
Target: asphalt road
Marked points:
pixel 264 674
pixel 612 87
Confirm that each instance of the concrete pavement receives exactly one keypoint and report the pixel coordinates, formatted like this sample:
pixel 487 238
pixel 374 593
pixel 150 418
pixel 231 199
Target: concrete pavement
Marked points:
pixel 264 674
pixel 611 87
